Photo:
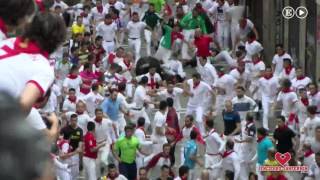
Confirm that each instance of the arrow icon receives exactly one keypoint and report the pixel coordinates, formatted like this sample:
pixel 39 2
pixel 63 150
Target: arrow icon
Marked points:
pixel 301 12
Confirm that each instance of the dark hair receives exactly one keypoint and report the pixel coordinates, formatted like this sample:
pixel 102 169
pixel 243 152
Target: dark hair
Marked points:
pixel 279 45
pixel 210 123
pixel 48 30
pixel 73 49
pixel 73 116
pixel 128 127
pixel 111 166
pixel 166 145
pixel 287 60
pixel 196 75
pixel 98 110
pixel 91 126
pixel 249 116
pixel 312 109
pixel 79 17
pixel 286 83
pixel 86 7
pixel 170 102
pixel 144 80
pixel 318 153
pixel 163 105
pixel 164 167
pixel 283 119
pixel 95 87
pixel 13 11
pixel 86 66
pixel 72 90
pixel 108 16
pixel 151 4
pixel 190 117
pixel 121 87
pixel 230 144
pixel 262 131
pixel 251 35
pixel 98 38
pixel 73 68
pixel 135 14
pixel 193 134
pixel 268 67
pixel 241 88
pixel 183 170
pixel 141 121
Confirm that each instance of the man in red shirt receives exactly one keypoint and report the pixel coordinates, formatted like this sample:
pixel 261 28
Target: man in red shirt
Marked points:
pixel 91 152
pixel 202 43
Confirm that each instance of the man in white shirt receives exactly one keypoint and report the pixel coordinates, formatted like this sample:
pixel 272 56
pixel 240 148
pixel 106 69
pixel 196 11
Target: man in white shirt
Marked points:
pixel 219 11
pixel 314 170
pixel 244 27
pixel 300 81
pixel 135 28
pixel 206 70
pixel 288 71
pixel 289 101
pixel 242 103
pixel 172 92
pixel 230 163
pixel 252 46
pixel 277 61
pixel 104 131
pixel 315 142
pixel 83 117
pixel 154 78
pixel 257 69
pixel 93 100
pixel 214 148
pixel 141 99
pixel 73 80
pixel 314 96
pixel 70 102
pixel 158 133
pixel 240 74
pixel 116 4
pixel 198 92
pixel 107 30
pixel 225 87
pixel 98 12
pixel 311 123
pixel 268 86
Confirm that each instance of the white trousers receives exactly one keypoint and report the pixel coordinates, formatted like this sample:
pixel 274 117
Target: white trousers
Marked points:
pixel 148 37
pixel 89 166
pixel 211 160
pixel 233 34
pixel 75 167
pixel 135 45
pixel 266 105
pixel 188 36
pixel 199 112
pixel 108 46
pixel 163 54
pixel 129 90
pixel 102 159
pixel 223 30
pixel 224 55
pixel 140 113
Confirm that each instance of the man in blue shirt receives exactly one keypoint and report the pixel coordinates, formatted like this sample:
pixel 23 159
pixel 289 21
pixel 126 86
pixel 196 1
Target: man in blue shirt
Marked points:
pixel 190 153
pixel 111 107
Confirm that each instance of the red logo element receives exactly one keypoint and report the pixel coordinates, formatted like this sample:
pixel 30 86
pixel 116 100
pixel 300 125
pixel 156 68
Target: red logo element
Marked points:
pixel 282 158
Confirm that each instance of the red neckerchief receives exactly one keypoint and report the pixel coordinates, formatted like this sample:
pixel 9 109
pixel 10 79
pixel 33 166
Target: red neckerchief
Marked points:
pixel 251 40
pixel 98 120
pixel 111 58
pixel 128 64
pixel 83 14
pixel 79 113
pixel 184 178
pixel 32 48
pixel 288 69
pixel 72 76
pixel 220 74
pixel 260 139
pixel 268 77
pixel 308 153
pixel 100 9
pixel 240 71
pixel 305 101
pixel 227 153
pixel 243 23
pixel 195 85
pixel 112 177
pixel 286 90
pixel 257 61
pixel 3 27
pixel 152 83
pixel 301 78
pixel 168 9
pixel 72 99
pixel 292 118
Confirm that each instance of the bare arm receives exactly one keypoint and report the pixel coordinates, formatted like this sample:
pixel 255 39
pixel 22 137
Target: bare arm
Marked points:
pixel 29 96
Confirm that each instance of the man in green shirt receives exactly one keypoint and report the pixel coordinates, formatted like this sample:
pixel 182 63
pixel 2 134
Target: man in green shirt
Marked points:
pixel 189 23
pixel 151 18
pixel 170 35
pixel 158 4
pixel 125 150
